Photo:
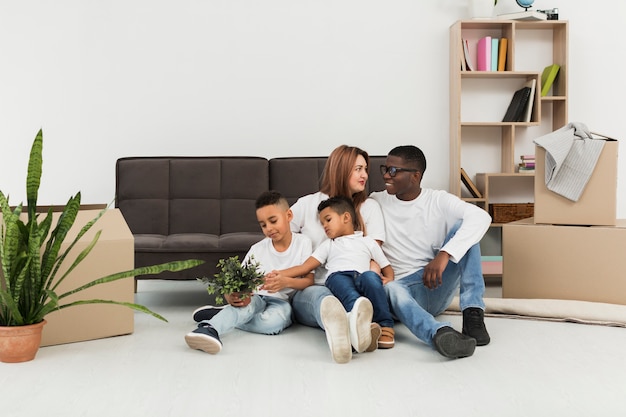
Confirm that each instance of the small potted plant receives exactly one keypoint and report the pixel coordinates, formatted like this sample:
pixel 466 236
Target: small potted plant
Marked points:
pixel 234 277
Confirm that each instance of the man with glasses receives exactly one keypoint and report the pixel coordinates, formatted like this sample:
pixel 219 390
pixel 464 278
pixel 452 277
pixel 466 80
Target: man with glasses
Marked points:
pixel 432 241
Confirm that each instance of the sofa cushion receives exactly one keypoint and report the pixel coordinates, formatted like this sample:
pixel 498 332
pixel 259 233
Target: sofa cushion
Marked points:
pixel 171 195
pixel 295 177
pixel 375 181
pixel 236 241
pixel 196 242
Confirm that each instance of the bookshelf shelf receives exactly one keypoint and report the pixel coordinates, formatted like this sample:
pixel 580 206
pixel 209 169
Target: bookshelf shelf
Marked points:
pixel 553 98
pixel 487 124
pixel 497 74
pixel 488 149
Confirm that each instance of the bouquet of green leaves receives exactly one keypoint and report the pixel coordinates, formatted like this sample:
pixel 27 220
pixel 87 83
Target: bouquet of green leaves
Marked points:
pixel 234 277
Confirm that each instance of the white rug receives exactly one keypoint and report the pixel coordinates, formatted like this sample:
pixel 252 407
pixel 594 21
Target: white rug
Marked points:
pixel 584 312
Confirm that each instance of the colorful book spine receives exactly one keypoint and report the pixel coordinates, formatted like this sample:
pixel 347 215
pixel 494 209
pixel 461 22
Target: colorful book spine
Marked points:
pixel 531 100
pixel 502 48
pixel 494 54
pixel 468 59
pixel 483 54
pixel 527 166
pixel 547 78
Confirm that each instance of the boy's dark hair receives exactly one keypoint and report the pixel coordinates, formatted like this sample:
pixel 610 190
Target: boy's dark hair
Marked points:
pixel 411 154
pixel 271 198
pixel 340 205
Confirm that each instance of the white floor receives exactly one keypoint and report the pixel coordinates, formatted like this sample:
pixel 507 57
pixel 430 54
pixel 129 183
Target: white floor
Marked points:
pixel 531 368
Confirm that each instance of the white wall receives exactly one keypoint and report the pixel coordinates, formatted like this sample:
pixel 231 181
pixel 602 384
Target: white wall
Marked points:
pixel 114 78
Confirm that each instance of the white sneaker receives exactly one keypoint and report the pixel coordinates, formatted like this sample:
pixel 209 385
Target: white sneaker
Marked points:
pixel 360 319
pixel 337 329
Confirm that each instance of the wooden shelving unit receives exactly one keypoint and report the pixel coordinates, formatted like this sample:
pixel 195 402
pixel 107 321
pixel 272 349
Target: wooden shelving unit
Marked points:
pixel 487 148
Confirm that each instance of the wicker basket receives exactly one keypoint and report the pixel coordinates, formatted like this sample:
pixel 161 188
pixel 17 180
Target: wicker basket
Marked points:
pixel 504 213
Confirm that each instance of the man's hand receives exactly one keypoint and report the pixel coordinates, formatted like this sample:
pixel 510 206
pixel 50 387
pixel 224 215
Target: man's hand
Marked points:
pixel 433 272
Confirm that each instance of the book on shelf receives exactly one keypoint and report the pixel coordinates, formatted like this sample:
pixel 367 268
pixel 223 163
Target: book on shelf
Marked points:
pixel 547 78
pixel 491 265
pixel 528 112
pixel 517 106
pixel 463 66
pixel 527 166
pixel 483 54
pixel 467 56
pixel 494 54
pixel 502 47
pixel 525 15
pixel 491 258
pixel 470 185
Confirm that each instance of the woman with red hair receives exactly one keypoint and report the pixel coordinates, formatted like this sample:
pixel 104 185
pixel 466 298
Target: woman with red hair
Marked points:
pixel 345 174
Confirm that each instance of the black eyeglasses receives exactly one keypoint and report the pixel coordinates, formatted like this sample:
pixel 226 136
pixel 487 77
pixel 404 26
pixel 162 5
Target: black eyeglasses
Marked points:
pixel 394 170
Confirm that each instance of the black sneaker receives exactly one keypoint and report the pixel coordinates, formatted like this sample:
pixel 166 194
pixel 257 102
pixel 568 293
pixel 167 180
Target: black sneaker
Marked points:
pixel 206 312
pixel 453 344
pixel 204 338
pixel 474 325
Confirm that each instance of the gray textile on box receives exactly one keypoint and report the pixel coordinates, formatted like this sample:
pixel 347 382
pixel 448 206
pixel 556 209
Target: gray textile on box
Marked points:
pixel 571 156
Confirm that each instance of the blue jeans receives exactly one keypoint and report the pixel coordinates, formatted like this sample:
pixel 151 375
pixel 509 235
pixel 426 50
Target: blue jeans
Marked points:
pixel 306 305
pixel 416 306
pixel 347 286
pixel 265 315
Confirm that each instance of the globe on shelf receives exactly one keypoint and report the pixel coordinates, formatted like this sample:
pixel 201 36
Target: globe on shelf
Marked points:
pixel 525 3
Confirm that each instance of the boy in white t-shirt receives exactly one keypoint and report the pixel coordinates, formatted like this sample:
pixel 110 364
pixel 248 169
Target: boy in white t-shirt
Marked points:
pixel 269 311
pixel 346 255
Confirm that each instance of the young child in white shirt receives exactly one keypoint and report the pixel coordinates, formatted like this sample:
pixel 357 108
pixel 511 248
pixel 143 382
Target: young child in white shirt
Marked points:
pixel 346 255
pixel 269 310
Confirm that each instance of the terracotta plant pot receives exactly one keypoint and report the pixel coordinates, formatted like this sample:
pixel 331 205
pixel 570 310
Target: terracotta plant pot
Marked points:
pixel 20 343
pixel 244 301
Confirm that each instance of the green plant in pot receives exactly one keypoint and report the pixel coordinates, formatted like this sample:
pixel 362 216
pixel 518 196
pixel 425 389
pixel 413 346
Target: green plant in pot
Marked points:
pixel 234 277
pixel 31 256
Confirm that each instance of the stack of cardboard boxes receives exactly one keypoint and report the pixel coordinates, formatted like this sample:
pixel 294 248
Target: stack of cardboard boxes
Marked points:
pixel 569 250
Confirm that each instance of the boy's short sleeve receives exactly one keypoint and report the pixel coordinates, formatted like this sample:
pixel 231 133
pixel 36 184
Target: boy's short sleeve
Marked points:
pixel 322 251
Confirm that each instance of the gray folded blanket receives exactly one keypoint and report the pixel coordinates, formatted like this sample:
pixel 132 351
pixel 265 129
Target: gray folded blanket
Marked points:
pixel 571 156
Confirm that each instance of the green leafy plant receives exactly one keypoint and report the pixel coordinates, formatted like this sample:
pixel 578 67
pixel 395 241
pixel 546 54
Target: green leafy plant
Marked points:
pixel 234 277
pixel 31 256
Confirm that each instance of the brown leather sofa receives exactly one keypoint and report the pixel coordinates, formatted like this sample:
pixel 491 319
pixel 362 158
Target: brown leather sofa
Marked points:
pixel 203 207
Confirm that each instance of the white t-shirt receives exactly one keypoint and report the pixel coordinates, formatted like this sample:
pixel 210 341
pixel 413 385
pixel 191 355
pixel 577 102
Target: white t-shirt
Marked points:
pixel 306 221
pixel 349 253
pixel 270 259
pixel 415 230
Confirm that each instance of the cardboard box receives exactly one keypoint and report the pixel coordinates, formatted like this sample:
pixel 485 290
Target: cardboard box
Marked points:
pixel 598 202
pixel 114 252
pixel 584 263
